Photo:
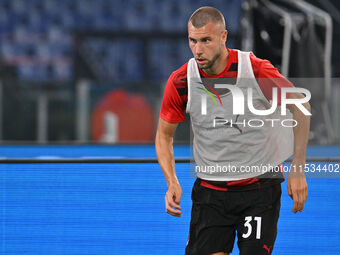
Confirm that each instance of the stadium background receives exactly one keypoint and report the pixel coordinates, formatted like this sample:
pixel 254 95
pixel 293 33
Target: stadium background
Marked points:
pixel 80 90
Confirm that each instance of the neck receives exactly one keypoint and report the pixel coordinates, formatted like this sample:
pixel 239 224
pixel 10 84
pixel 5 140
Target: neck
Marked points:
pixel 220 63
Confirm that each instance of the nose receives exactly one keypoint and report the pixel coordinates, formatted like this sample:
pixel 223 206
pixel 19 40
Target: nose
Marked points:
pixel 198 49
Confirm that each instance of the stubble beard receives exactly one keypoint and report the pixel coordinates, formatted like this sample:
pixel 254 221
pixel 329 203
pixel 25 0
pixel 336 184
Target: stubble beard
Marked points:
pixel 210 63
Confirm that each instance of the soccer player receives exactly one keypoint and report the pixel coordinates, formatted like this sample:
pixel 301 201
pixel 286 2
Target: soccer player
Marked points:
pixel 226 203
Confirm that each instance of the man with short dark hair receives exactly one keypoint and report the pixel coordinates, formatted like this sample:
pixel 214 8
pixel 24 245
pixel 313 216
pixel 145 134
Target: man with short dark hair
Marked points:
pixel 227 202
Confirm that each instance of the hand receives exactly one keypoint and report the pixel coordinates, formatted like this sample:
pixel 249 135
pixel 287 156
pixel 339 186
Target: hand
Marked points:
pixel 297 189
pixel 173 199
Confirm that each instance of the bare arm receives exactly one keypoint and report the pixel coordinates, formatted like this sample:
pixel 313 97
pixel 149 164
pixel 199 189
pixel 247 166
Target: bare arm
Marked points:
pixel 166 160
pixel 297 184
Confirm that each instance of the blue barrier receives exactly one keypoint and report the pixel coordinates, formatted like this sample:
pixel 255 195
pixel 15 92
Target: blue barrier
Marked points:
pixel 107 209
pixel 121 151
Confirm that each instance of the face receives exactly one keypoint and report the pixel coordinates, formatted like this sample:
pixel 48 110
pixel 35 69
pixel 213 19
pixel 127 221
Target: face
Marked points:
pixel 206 44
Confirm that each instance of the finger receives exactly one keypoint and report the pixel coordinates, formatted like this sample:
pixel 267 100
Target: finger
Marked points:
pixel 172 203
pixel 304 198
pixel 301 207
pixel 171 200
pixel 300 200
pixel 295 202
pixel 177 198
pixel 289 190
pixel 171 210
pixel 174 197
pixel 176 214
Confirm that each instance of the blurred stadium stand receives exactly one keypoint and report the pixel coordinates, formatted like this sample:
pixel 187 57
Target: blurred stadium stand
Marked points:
pixel 37 36
pixel 48 47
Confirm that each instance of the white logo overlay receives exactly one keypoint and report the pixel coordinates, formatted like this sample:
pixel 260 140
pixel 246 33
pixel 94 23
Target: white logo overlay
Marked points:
pixel 239 106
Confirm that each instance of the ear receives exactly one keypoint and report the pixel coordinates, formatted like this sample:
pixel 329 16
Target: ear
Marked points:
pixel 224 34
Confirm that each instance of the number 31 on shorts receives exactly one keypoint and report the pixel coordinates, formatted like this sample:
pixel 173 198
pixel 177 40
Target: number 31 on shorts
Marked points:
pixel 247 224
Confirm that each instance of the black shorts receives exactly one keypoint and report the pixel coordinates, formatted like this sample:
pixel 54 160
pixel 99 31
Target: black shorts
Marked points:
pixel 217 216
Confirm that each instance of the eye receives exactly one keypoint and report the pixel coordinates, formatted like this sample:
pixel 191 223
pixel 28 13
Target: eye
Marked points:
pixel 206 40
pixel 192 40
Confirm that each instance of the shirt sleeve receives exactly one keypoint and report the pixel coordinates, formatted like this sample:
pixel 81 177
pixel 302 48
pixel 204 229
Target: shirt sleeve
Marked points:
pixel 268 78
pixel 173 106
